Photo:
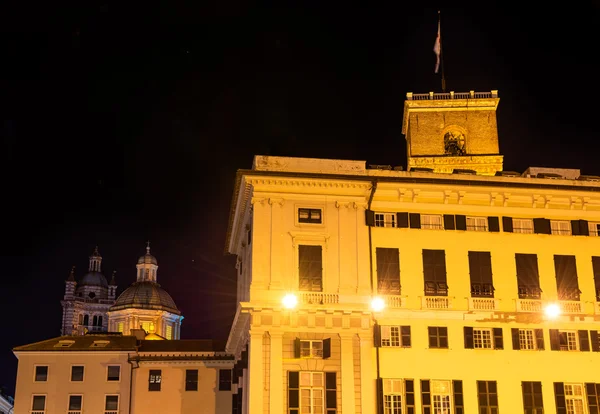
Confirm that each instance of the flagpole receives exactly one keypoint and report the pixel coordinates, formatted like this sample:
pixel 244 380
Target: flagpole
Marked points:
pixel 441 54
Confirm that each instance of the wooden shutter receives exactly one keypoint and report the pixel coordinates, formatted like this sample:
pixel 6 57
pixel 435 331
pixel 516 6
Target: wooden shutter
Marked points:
pixel 539 339
pixel 554 340
pixel 584 340
pixel 461 222
pixel 457 389
pixel 370 217
pixel 595 342
pixel 567 284
pixel 425 396
pixel 297 348
pixel 575 231
pixel 449 222
pixel 409 392
pixel 593 396
pixel 514 332
pixel 498 339
pixel 468 337
pixel 377 335
pixel 326 348
pixel 388 270
pixel 293 392
pixel 584 229
pixel 405 335
pixel 380 408
pixel 415 220
pixel 310 268
pixel 330 393
pixel 507 224
pixel 541 226
pixel 402 220
pixel 493 224
pixel 559 396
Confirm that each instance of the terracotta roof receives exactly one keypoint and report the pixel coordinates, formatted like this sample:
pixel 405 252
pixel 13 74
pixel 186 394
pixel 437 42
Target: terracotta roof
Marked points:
pixel 90 342
pixel 183 345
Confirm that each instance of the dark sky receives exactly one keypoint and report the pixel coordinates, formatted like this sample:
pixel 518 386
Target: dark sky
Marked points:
pixel 123 122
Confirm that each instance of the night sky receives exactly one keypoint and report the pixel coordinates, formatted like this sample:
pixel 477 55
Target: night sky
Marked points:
pixel 123 123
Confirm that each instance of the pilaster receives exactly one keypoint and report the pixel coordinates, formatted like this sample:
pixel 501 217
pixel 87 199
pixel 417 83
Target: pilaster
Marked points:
pixel 347 387
pixel 367 389
pixel 255 370
pixel 275 381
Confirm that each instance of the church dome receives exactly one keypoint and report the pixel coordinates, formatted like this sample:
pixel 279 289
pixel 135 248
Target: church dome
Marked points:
pixel 145 295
pixel 147 258
pixel 93 279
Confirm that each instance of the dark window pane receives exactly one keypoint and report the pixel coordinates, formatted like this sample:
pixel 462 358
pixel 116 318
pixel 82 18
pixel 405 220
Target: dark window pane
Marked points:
pixel 75 402
pixel 77 373
pixel 39 403
pixel 41 373
pixel 310 268
pixel 114 373
pixel 112 403
pixel 388 270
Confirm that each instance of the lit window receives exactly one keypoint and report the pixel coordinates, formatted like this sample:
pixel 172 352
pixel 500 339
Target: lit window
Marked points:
pixel 440 396
pixel 154 380
pixel 113 373
pixel 527 339
pixel 431 222
pixel 574 398
pixel 41 373
pixel 395 336
pixel 477 224
pixel 393 391
pixel 482 338
pixel 312 392
pixel 169 332
pixel 522 226
pixel 560 227
pixel 120 327
pixel 111 405
pixel 594 229
pixel 385 219
pixel 309 215
pixel 311 349
pixel 148 326
pixel 568 340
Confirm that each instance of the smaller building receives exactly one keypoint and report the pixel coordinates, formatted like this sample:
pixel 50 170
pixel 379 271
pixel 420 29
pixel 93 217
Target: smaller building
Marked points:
pixel 6 403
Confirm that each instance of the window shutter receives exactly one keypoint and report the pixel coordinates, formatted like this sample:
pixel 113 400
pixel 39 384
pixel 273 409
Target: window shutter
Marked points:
pixel 405 334
pixel 415 220
pixel 507 224
pixel 584 230
pixel 297 348
pixel 514 332
pixel 541 226
pixel 409 391
pixel 402 220
pixel 330 392
pixel 425 397
pixel 448 222
pixel 575 231
pixel 559 395
pixel 584 340
pixel 539 339
pixel 461 222
pixel 493 224
pixel 468 337
pixel 498 339
pixel 326 348
pixel 380 396
pixel 593 394
pixel 554 340
pixel 370 217
pixel 594 341
pixel 293 392
pixel 458 397
pixel 377 335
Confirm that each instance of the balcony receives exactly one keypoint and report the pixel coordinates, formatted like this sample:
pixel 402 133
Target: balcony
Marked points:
pixel 394 301
pixel 570 306
pixel 435 302
pixel 529 305
pixel 484 304
pixel 319 298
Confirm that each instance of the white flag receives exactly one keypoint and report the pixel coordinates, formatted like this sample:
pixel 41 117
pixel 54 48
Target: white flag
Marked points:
pixel 437 49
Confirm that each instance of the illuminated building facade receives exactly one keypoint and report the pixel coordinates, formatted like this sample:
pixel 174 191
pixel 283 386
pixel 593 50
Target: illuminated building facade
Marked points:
pixel 486 281
pixel 85 303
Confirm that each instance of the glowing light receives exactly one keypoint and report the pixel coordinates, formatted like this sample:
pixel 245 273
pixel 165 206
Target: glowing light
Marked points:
pixel 377 304
pixel 290 301
pixel 552 310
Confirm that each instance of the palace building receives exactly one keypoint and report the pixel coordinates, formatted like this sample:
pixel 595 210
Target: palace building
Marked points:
pixel 451 286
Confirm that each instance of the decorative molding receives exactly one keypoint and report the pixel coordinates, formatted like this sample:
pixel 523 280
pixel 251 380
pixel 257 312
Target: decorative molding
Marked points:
pixel 278 201
pixel 313 183
pixel 346 204
pixel 318 237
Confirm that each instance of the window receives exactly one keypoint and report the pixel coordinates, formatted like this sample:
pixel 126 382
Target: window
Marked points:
pixel 312 392
pixel 99 344
pixel 563 340
pixel 113 373
pixel 310 268
pixel 154 380
pixel 38 404
pixel 224 380
pixel 434 272
pixel 574 398
pixel 169 332
pixel 111 404
pixel 528 279
pixel 480 270
pixel 594 229
pixel 309 215
pixel 41 373
pixel 527 339
pixel 566 277
pixel 436 396
pixel 120 327
pixel 75 403
pixel 532 397
pixel 65 343
pixel 477 224
pixel 77 373
pixel 520 225
pixel 385 220
pixel 398 396
pixel 596 270
pixel 560 227
pixel 191 380
pixel 148 326
pixel 438 336
pixel 593 395
pixel 311 349
pixel 398 336
pixel 431 222
pixel 487 397
pixel 483 338
pixel 388 271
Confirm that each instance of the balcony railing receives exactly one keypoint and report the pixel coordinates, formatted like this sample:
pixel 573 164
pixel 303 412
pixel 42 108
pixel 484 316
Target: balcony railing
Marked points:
pixel 111 412
pixel 435 302
pixel 451 95
pixel 487 304
pixel 570 306
pixel 394 301
pixel 37 412
pixel 74 412
pixel 318 298
pixel 529 305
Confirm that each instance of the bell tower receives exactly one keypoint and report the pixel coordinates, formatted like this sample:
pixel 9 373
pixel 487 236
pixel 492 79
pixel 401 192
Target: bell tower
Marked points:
pixel 452 131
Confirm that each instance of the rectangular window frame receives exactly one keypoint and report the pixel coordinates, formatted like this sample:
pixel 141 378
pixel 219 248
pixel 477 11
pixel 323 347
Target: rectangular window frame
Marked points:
pixel 568 340
pixel 191 380
pixel 388 271
pixel 225 377
pixel 315 348
pixel 309 215
pixel 154 380
pixel 310 284
pixel 108 410
pixel 594 228
pixel 560 228
pixel 395 336
pixel 487 397
pixel 567 280
pixel 528 276
pixel 35 373
pixel 438 336
pixel 74 410
pixel 575 403
pixel 483 338
pixel 532 395
pixel 434 272
pixel 312 387
pixel 388 220
pixel 33 398
pixel 82 373
pixel 477 223
pixel 432 222
pixel 108 377
pixel 522 225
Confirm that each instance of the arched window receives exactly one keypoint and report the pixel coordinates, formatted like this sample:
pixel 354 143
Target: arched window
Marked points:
pixel 100 320
pixel 86 319
pixel 147 274
pixel 80 319
pixel 95 323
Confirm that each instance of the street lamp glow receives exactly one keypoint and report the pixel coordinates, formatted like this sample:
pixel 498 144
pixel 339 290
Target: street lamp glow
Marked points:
pixel 290 301
pixel 552 310
pixel 377 304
